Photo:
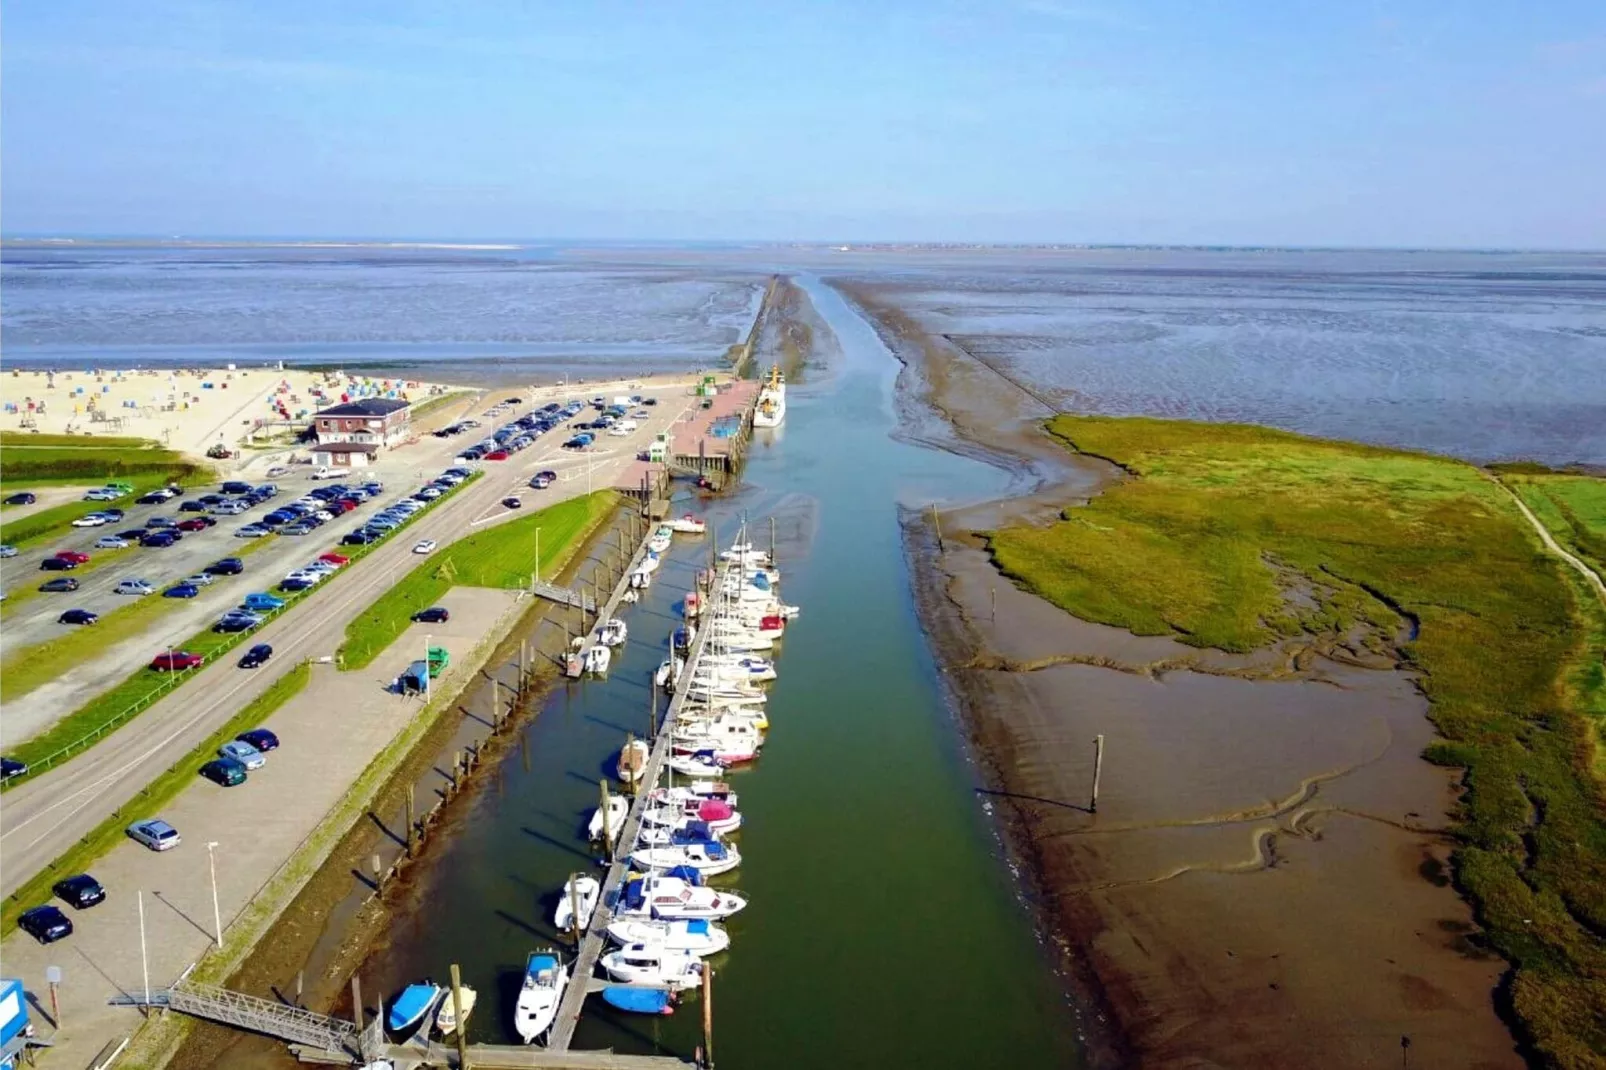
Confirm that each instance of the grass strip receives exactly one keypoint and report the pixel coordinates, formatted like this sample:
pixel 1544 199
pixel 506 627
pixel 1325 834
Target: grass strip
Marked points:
pixel 1201 543
pixel 56 521
pixel 87 725
pixel 498 556
pixel 429 405
pixel 149 802
pixel 29 440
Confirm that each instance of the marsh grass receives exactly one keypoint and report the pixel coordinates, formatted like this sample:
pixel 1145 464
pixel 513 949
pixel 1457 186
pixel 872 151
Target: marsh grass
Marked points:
pixel 1508 648
pixel 498 556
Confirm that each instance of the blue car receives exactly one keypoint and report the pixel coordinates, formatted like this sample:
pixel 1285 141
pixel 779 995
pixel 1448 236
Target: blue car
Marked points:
pixel 181 590
pixel 262 600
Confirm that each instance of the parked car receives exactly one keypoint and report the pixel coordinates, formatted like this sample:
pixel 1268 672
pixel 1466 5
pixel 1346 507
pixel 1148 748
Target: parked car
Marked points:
pixel 497 455
pixel 111 542
pixel 252 531
pixel 76 557
pixel 424 546
pixel 324 473
pixel 90 520
pixel 200 579
pixel 181 590
pixel 176 661
pixel 260 600
pixel 278 470
pixel 295 584
pixel 260 738
pixel 77 616
pixel 243 753
pixel 136 587
pixel 80 891
pixel 432 615
pixel 225 772
pixel 159 540
pixel 103 494
pixel 59 585
pixel 234 486
pixel 513 502
pixel 45 924
pixel 8 550
pixel 10 767
pixel 228 566
pixel 299 528
pixel 337 560
pixel 22 498
pixel 356 538
pixel 156 834
pixel 540 482
pixel 234 622
pixel 155 497
pixel 192 506
pixel 257 656
pixel 198 523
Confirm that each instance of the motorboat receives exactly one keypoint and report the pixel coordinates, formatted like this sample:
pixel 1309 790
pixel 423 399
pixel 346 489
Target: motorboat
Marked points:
pixel 661 896
pixel 689 525
pixel 701 764
pixel 709 859
pixel 745 554
pixel 728 731
pixel 545 977
pixel 658 543
pixel 692 720
pixel 652 964
pixel 596 660
pixel 413 1006
pixel 633 760
pixel 609 821
pixel 692 607
pixel 718 817
pixel 669 672
pixel 695 789
pixel 695 936
pixel 750 667
pixel 579 892
pixel 678 831
pixel 640 579
pixel 613 633
pixel 649 562
pixel 713 693
pixel 770 410
pixel 638 999
pixel 630 598
pixel 446 1017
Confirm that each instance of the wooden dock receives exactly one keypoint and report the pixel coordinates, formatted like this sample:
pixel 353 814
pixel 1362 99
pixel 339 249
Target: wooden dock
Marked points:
pixel 496 1057
pixel 592 944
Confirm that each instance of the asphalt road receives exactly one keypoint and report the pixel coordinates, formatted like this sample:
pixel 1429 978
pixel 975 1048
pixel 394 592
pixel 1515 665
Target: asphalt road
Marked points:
pixel 44 815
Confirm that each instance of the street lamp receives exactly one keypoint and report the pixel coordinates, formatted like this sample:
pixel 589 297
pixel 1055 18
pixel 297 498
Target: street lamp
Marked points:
pixel 427 640
pixel 217 915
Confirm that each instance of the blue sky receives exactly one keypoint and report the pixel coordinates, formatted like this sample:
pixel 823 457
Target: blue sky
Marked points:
pixel 1355 123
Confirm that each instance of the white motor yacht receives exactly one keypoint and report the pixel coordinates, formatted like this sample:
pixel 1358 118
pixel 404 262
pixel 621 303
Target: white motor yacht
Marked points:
pixel 695 936
pixel 545 977
pixel 653 964
pixel 582 892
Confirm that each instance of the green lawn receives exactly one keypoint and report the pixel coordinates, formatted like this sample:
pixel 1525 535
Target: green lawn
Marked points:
pixel 1192 545
pixel 84 727
pixel 9 439
pixel 496 557
pixel 1573 507
pixel 149 803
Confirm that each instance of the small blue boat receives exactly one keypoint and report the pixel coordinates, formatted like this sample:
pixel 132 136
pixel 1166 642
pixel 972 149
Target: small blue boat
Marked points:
pixel 639 1000
pixel 410 1008
pixel 681 640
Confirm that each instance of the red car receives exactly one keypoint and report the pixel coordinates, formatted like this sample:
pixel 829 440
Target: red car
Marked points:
pixel 77 557
pixel 199 523
pixel 496 455
pixel 335 559
pixel 176 661
pixel 339 507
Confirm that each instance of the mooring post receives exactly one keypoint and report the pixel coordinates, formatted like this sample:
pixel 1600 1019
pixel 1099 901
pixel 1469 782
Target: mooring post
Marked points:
pixel 412 823
pixel 607 822
pixel 356 1005
pixel 936 522
pixel 772 539
pixel 301 979
pixel 652 714
pixel 708 1015
pixel 379 868
pixel 457 1016
pixel 1098 768
pixel 994 616
pixel 574 911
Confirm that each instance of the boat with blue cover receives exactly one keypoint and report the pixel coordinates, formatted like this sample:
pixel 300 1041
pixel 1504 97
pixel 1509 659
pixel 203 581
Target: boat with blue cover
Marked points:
pixel 639 1000
pixel 413 1005
pixel 545 977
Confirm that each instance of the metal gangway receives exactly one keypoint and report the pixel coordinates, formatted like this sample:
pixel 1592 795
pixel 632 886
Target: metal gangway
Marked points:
pixel 565 596
pixel 253 1013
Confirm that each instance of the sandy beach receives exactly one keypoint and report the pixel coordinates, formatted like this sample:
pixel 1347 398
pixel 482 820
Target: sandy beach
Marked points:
pixel 1265 880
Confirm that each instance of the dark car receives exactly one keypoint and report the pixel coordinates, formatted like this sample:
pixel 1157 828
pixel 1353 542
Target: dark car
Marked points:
pixel 512 503
pixel 192 506
pixel 357 538
pixel 24 498
pixel 80 892
pixel 232 624
pixel 158 522
pixel 160 540
pixel 257 655
pixel 10 767
pixel 229 566
pixel 57 564
pixel 59 585
pixel 153 498
pixel 260 738
pixel 212 499
pixel 294 585
pixel 133 534
pixel 235 487
pixel 432 615
pixel 224 771
pixel 45 924
pixel 181 590
pixel 77 616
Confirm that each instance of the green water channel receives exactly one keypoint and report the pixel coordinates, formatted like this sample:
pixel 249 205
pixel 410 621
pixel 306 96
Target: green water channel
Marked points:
pixel 884 927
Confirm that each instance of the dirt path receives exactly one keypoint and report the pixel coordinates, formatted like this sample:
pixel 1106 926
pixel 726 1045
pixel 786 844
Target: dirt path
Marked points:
pixel 1591 577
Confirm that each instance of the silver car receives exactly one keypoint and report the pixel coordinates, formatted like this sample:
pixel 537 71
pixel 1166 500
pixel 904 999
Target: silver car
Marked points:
pixel 156 834
pixel 243 753
pixel 134 587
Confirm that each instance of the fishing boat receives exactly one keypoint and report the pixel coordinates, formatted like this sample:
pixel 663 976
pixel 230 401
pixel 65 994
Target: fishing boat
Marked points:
pixel 709 859
pixel 663 896
pixel 771 408
pixel 446 1017
pixel 613 633
pixel 545 977
pixel 692 607
pixel 695 936
pixel 582 892
pixel 633 760
pixel 650 964
pixel 609 821
pixel 700 764
pixel 689 525
pixel 413 1006
pixel 638 999
pixel 596 660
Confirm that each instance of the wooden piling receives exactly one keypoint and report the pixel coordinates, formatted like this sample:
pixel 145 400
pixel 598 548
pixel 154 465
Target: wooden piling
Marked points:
pixel 574 912
pixel 412 824
pixel 457 1012
pixel 708 1015
pixel 607 823
pixel 356 1004
pixel 1098 768
pixel 378 867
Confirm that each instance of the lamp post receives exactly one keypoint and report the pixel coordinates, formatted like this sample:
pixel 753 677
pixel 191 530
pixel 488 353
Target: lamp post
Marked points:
pixel 427 640
pixel 217 915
